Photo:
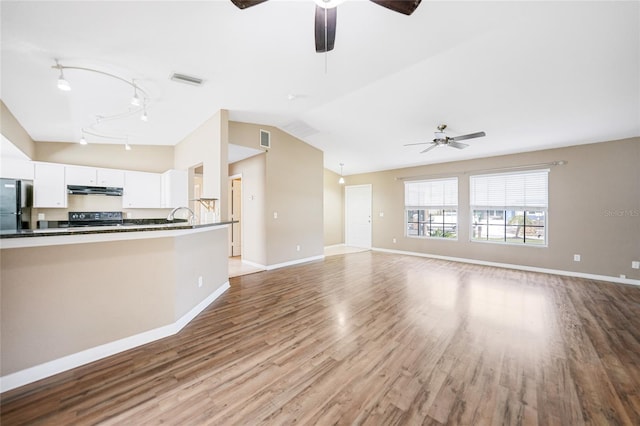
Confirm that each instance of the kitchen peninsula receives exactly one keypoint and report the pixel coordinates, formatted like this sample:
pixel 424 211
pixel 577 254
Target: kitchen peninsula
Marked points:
pixel 72 296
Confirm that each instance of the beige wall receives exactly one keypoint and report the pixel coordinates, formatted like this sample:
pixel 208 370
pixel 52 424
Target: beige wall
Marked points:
pixel 208 146
pixel 254 238
pixel 594 210
pixel 14 131
pixel 59 300
pixel 333 209
pixel 294 190
pixel 145 158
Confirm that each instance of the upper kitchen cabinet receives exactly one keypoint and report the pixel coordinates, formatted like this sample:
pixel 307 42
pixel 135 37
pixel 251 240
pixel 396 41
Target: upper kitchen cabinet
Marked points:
pixel 49 187
pixel 91 176
pixel 142 190
pixel 175 188
pixel 13 168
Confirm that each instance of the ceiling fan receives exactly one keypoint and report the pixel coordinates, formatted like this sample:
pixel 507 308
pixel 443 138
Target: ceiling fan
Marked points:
pixel 326 15
pixel 442 139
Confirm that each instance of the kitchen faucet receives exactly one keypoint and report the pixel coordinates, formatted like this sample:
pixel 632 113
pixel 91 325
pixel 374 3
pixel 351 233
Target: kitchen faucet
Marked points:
pixel 173 212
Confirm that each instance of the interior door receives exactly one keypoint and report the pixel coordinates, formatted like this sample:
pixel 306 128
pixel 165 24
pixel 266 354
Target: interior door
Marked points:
pixel 236 214
pixel 358 216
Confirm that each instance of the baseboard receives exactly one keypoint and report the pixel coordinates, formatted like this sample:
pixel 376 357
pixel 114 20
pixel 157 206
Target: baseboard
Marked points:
pixel 295 262
pixel 334 246
pixel 518 267
pixel 39 372
pixel 254 264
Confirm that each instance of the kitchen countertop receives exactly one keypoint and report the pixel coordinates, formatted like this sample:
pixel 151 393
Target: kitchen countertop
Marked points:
pixel 88 234
pixel 134 226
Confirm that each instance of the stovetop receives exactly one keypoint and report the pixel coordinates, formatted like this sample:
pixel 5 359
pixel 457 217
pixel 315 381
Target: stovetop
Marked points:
pixel 94 218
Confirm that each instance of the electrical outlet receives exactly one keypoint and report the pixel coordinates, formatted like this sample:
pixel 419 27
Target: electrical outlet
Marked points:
pixel 275 215
pixel 298 247
pixel 40 216
pixel 381 214
pixel 394 241
pixel 623 276
pixel 635 264
pixel 576 258
pixel 199 282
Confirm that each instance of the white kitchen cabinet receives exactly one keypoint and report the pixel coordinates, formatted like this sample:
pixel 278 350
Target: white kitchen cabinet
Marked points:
pixel 175 189
pixel 14 168
pixel 110 177
pixel 91 176
pixel 49 187
pixel 142 190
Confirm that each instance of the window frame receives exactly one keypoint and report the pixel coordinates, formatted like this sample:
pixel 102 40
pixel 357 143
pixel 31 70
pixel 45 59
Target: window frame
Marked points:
pixel 425 226
pixel 525 208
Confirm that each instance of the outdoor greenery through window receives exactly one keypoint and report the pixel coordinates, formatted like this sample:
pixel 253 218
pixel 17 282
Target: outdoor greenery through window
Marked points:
pixel 431 208
pixel 510 207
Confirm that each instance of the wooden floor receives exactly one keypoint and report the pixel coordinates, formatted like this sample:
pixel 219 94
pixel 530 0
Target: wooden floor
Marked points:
pixel 372 338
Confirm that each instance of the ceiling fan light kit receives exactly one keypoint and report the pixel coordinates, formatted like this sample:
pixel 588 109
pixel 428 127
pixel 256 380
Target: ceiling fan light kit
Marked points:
pixel 326 16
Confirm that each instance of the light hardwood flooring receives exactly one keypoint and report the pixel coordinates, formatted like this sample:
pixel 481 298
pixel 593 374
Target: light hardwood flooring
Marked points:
pixel 371 338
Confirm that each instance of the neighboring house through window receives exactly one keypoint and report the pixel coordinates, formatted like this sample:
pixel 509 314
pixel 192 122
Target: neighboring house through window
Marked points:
pixel 431 208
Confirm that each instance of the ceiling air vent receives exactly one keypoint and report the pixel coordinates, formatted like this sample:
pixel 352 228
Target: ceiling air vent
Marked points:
pixel 187 79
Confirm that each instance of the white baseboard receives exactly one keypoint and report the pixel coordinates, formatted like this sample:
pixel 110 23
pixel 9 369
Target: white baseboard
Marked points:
pixel 295 262
pixel 335 246
pixel 38 372
pixel 254 264
pixel 518 267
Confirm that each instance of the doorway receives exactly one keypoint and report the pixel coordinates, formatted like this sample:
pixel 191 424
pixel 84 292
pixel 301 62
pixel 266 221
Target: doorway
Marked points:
pixel 357 216
pixel 235 214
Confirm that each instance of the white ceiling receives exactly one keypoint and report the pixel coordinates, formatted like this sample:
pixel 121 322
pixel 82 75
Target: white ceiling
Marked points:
pixel 532 75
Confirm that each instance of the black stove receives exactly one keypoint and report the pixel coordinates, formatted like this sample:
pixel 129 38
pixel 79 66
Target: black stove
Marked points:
pixel 94 219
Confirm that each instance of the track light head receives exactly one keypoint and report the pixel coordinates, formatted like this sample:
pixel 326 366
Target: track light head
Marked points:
pixel 135 100
pixel 62 83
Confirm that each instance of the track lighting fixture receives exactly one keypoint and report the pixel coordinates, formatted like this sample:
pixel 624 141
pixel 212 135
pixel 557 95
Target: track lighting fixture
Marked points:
pixel 62 83
pixel 135 100
pixel 341 180
pixel 139 100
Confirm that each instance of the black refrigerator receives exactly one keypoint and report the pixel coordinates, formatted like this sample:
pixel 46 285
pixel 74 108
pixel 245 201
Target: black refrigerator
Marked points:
pixel 15 204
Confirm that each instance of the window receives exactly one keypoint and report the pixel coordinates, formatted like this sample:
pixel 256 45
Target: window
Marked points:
pixel 510 207
pixel 431 208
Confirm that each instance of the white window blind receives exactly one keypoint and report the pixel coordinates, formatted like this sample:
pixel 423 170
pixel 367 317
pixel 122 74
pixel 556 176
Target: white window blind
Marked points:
pixel 431 193
pixel 525 189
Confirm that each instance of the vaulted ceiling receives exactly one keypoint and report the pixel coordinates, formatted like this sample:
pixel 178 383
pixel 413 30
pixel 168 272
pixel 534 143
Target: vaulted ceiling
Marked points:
pixel 532 75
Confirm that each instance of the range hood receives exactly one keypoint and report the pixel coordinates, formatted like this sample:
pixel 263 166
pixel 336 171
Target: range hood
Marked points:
pixel 94 190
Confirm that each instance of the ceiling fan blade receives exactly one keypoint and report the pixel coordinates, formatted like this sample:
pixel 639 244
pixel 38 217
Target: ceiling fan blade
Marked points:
pixel 406 7
pixel 469 136
pixel 417 143
pixel 429 149
pixel 243 4
pixel 325 28
pixel 457 144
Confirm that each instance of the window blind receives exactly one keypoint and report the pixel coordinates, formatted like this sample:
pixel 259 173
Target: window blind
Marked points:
pixel 431 193
pixel 520 190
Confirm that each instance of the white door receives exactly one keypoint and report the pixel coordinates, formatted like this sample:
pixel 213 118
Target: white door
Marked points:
pixel 357 215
